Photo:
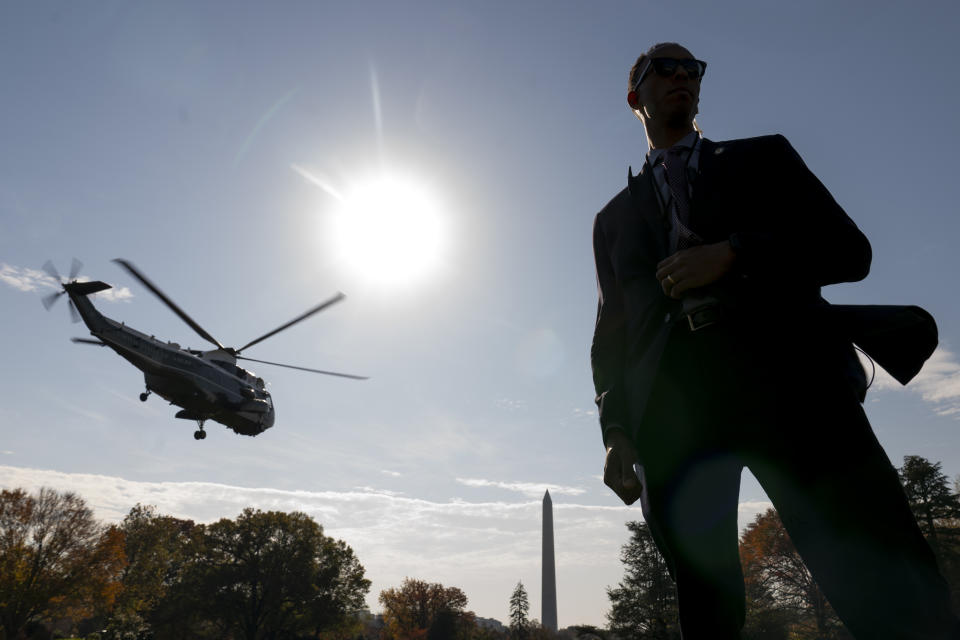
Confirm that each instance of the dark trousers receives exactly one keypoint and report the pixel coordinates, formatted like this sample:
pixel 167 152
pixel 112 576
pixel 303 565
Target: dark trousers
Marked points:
pixel 727 399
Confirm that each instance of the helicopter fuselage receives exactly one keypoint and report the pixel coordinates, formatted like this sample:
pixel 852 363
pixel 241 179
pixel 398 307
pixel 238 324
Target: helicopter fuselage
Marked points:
pixel 207 385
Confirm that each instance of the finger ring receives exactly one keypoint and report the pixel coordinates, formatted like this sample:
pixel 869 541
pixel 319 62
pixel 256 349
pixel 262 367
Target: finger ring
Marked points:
pixel 671 280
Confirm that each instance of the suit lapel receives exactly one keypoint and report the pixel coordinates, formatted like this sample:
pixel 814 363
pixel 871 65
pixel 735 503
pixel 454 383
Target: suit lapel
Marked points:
pixel 640 187
pixel 700 220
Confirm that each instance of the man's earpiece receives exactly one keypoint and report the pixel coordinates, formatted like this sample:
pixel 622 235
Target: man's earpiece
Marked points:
pixel 633 100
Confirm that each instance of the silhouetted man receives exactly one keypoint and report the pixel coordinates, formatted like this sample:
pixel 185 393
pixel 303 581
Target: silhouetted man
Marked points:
pixel 712 352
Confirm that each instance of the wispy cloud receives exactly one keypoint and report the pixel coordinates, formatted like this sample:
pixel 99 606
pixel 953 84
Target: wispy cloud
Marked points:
pixel 27 279
pixel 531 489
pixel 443 435
pixel 510 404
pixel 937 383
pixel 116 294
pixel 383 492
pixel 7 452
pixel 93 416
pixel 392 474
pixel 753 507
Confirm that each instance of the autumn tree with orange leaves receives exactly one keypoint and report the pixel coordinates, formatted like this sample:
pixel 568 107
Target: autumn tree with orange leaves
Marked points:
pixel 783 600
pixel 419 609
pixel 158 549
pixel 55 559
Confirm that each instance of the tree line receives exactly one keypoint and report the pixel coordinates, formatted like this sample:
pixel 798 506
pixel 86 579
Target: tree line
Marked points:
pixel 264 575
pixel 783 599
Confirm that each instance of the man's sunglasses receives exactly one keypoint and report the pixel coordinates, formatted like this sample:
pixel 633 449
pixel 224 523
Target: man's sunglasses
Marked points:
pixel 666 67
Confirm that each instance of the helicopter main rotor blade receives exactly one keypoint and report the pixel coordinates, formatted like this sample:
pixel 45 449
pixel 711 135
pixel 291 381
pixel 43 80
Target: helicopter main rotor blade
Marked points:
pixel 320 307
pixel 290 366
pixel 88 341
pixel 173 307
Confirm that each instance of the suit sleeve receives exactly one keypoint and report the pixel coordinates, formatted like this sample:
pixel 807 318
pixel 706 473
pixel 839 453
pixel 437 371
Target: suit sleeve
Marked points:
pixel 607 350
pixel 809 238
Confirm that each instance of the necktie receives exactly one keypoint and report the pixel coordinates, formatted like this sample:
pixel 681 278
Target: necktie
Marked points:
pixel 676 169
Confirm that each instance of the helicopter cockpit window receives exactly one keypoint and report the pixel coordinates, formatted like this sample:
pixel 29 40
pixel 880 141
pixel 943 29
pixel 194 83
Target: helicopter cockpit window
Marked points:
pixel 260 383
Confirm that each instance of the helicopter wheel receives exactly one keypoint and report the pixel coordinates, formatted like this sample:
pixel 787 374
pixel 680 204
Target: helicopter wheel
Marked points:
pixel 144 396
pixel 199 434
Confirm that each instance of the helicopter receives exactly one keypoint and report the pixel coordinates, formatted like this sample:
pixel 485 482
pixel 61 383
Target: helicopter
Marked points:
pixel 206 385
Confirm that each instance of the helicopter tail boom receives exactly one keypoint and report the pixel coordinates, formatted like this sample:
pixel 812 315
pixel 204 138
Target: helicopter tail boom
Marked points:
pixel 86 288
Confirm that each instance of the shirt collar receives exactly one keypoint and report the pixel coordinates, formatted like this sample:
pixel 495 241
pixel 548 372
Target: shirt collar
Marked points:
pixel 688 141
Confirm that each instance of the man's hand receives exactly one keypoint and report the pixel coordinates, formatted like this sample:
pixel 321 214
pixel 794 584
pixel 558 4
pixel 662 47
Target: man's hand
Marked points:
pixel 618 473
pixel 695 267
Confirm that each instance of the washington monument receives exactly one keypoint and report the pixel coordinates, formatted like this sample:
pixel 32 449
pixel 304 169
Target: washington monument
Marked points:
pixel 548 614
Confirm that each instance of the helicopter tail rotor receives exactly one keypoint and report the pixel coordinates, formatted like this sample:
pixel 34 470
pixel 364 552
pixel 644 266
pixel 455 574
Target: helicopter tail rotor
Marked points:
pixel 75 267
pixel 51 299
pixel 52 271
pixel 74 313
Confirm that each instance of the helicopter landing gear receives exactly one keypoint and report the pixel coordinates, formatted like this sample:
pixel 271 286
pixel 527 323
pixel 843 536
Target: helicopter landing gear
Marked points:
pixel 199 434
pixel 144 395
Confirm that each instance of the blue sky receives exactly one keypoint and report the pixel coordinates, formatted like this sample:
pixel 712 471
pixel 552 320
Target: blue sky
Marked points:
pixel 179 136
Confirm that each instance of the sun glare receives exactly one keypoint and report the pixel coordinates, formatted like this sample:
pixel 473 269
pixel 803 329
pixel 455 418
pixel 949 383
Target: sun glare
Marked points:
pixel 389 230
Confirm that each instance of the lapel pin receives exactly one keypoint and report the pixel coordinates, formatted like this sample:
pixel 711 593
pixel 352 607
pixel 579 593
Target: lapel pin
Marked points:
pixel 718 151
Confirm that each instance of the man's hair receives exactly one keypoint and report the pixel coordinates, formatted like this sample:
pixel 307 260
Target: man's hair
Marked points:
pixel 638 65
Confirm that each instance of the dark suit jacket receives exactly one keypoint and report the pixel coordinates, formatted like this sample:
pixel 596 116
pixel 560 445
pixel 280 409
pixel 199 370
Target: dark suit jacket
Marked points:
pixel 790 237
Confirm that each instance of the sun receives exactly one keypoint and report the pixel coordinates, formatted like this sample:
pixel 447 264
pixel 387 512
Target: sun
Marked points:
pixel 389 229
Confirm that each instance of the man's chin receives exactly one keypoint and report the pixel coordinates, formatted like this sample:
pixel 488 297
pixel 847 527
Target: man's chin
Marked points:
pixel 680 119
